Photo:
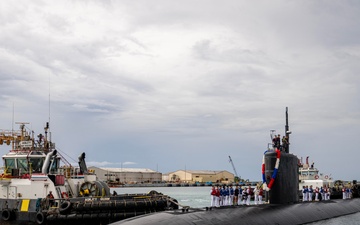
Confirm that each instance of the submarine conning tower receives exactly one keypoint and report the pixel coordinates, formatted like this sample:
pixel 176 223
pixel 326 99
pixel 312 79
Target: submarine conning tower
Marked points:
pixel 286 183
pixel 281 171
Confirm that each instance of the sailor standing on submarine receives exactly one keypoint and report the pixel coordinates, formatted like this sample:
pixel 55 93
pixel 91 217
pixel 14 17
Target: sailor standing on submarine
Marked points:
pixel 249 191
pixel 244 196
pixel 231 198
pixel 256 194
pixel 227 195
pixel 317 194
pixel 328 193
pixel 240 195
pixel 217 198
pixel 304 192
pixel 222 196
pixel 310 195
pixel 236 196
pixel 213 196
pixel 261 192
pixel 322 193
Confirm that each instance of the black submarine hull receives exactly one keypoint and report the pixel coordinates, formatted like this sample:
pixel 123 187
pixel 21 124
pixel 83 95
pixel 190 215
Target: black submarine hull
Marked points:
pixel 299 213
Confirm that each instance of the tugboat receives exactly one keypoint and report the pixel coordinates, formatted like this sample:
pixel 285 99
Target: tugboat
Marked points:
pixel 309 175
pixel 36 189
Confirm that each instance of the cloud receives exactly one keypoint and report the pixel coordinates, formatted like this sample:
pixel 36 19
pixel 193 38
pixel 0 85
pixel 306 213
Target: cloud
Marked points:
pixel 154 82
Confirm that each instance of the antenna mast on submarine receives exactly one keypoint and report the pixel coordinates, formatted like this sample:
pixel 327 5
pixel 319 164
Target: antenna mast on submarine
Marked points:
pixel 287 132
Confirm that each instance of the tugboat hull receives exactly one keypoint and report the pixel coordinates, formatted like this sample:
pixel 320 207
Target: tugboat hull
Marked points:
pixel 84 211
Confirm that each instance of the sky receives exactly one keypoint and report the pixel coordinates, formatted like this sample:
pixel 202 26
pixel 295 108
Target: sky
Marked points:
pixel 170 85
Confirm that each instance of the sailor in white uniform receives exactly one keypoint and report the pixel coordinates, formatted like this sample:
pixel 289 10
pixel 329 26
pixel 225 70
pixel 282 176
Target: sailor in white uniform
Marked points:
pixel 213 196
pixel 310 193
pixel 256 195
pixel 261 192
pixel 244 196
pixel 304 192
pixel 250 192
pixel 240 197
pixel 231 196
pixel 317 194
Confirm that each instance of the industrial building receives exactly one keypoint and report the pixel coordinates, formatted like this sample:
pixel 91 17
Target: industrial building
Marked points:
pixel 127 175
pixel 192 176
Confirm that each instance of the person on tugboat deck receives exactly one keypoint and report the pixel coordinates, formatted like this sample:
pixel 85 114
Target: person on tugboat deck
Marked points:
pixel 50 197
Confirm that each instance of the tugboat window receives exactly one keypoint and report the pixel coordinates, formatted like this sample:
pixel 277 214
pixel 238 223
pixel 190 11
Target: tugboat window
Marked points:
pixel 22 165
pixel 10 164
pixel 36 164
pixel 54 166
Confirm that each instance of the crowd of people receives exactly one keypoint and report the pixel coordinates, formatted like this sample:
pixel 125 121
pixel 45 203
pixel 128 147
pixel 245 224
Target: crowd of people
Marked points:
pixel 240 195
pixel 322 193
pixel 310 194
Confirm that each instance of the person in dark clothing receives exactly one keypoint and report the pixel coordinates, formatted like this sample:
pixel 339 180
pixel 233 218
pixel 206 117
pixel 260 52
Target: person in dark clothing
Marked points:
pixel 285 143
pixel 236 195
pixel 277 142
pixel 274 142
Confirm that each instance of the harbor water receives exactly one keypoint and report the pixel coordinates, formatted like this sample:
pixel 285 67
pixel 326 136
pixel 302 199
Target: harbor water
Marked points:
pixel 199 197
pixel 195 197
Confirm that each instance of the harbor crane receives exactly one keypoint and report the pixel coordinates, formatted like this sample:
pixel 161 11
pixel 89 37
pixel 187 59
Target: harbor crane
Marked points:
pixel 236 175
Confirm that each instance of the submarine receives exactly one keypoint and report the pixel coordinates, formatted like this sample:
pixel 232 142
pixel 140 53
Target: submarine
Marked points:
pixel 280 184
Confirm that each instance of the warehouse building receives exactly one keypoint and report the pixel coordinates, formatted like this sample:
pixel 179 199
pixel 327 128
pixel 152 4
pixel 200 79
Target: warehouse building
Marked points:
pixel 127 175
pixel 192 176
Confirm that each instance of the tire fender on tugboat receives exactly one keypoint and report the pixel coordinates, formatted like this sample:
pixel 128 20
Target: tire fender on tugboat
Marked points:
pixel 65 207
pixel 40 218
pixel 7 214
